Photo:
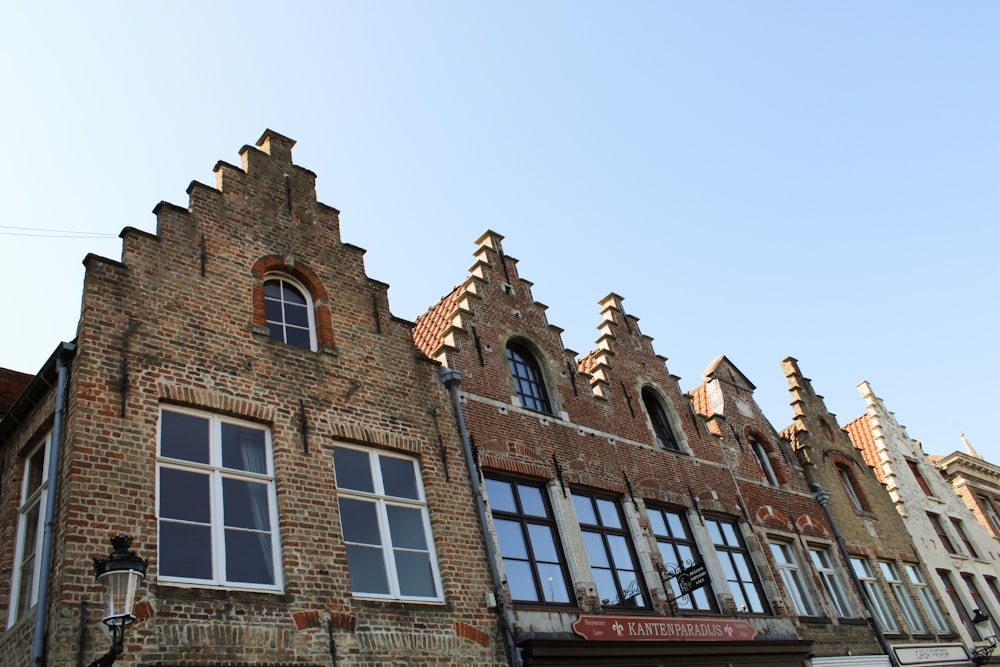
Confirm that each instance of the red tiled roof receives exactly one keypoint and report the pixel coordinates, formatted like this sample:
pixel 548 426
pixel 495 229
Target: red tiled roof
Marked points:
pixel 431 325
pixel 587 362
pixel 861 435
pixel 12 383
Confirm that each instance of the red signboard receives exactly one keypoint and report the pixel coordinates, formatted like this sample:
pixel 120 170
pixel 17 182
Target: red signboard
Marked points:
pixel 651 628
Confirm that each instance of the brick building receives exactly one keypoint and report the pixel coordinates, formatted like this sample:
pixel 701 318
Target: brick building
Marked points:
pixel 240 401
pixel 903 609
pixel 976 481
pixel 958 552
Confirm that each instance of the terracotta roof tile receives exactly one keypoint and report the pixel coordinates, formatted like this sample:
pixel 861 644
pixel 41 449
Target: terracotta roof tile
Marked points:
pixel 431 325
pixel 586 363
pixel 861 435
pixel 12 383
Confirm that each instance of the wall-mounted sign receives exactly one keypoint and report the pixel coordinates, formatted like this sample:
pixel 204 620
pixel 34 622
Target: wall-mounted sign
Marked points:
pixel 647 628
pixel 692 578
pixel 931 654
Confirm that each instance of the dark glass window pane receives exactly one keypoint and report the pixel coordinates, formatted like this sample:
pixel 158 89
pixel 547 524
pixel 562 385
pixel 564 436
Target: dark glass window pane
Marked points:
pixel 399 477
pixel 607 591
pixel 291 294
pixel 415 575
pixel 619 552
pixel 501 496
pixel 35 471
pixel 353 469
pixel 367 567
pixel 272 312
pixel 406 527
pixel 297 337
pixel 248 557
pixel 272 289
pixel 244 504
pixel 185 550
pixel 360 523
pixel 244 448
pixel 656 523
pixel 184 436
pixel 531 500
pixel 184 495
pixel 297 316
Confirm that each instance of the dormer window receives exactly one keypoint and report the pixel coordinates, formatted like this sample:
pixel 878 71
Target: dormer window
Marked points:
pixel 289 312
pixel 658 418
pixel 527 375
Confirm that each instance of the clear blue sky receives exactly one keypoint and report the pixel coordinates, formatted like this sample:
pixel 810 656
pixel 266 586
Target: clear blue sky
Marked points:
pixel 757 179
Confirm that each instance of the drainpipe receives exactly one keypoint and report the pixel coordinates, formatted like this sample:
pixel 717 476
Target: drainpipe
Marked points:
pixel 452 380
pixel 822 496
pixel 45 557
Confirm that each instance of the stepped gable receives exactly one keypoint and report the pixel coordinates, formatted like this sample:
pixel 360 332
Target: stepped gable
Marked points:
pixel 12 383
pixel 813 425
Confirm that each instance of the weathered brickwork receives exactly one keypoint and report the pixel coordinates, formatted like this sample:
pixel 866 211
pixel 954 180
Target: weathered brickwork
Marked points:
pixel 874 531
pixel 179 321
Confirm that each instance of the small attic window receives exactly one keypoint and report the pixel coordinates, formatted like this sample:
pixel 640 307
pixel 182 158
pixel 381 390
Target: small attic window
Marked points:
pixel 527 376
pixel 658 417
pixel 288 312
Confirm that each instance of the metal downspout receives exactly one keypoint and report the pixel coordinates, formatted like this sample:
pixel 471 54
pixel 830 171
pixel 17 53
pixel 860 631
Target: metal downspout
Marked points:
pixel 821 497
pixel 452 379
pixel 45 557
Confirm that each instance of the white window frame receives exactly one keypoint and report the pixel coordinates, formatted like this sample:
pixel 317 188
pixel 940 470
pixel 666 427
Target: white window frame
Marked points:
pixel 883 613
pixel 823 564
pixel 910 614
pixel 763 460
pixel 787 562
pixel 381 501
pixel 930 603
pixel 32 500
pixel 310 309
pixel 216 473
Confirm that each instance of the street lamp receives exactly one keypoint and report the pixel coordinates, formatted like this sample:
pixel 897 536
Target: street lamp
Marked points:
pixel 981 655
pixel 119 574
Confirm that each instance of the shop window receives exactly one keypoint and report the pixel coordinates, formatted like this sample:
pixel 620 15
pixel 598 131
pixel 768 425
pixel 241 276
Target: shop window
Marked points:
pixel 880 606
pixel 216 503
pixel 678 551
pixel 832 582
pixel 386 527
pixel 927 599
pixel 529 384
pixel 609 550
pixel 791 576
pixel 30 521
pixel 899 591
pixel 658 418
pixel 526 532
pixel 741 575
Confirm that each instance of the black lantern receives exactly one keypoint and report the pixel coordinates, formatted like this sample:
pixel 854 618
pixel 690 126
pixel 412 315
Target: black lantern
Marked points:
pixel 981 654
pixel 120 574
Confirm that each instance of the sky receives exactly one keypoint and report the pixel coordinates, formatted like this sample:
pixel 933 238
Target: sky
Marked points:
pixel 756 179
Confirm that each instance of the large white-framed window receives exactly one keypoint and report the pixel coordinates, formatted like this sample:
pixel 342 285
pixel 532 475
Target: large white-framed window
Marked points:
pixel 386 526
pixel 880 606
pixel 216 504
pixel 902 595
pixel 30 521
pixel 930 602
pixel 791 576
pixel 288 311
pixel 832 582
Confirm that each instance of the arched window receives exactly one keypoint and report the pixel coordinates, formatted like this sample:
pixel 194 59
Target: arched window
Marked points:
pixel 289 312
pixel 760 453
pixel 847 478
pixel 658 417
pixel 528 382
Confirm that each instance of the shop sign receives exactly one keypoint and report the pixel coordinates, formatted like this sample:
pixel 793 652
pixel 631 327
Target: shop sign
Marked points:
pixel 645 628
pixel 931 654
pixel 692 578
